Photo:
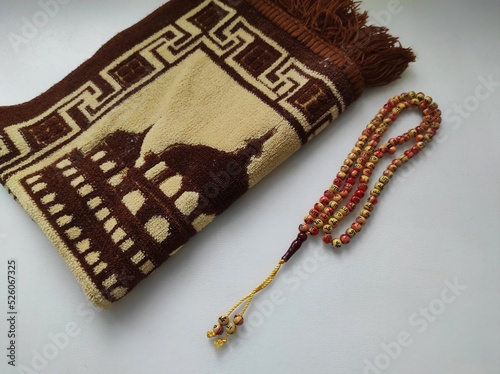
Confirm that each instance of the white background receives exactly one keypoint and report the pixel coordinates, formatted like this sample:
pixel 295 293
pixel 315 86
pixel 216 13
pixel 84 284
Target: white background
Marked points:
pixel 436 223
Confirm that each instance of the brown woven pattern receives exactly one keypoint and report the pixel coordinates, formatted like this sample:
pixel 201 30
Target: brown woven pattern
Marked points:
pixel 170 122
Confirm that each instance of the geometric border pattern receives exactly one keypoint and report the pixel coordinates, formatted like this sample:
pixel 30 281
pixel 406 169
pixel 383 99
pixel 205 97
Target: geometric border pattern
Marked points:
pixel 231 35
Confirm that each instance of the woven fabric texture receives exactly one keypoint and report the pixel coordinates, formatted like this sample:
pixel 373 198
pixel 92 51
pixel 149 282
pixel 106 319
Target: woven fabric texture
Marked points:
pixel 165 126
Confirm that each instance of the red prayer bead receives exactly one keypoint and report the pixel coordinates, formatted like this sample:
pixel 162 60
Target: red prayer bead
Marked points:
pixel 324 200
pixel 344 193
pixel 309 219
pixel 337 182
pixel 356 226
pixel 351 180
pixel 397 162
pixel 351 205
pixel 319 207
pixel 314 213
pixel 304 228
pixel 420 129
pixel 365 155
pixel 313 230
pixel 327 238
pixel 328 211
pixel 363 186
pixel 359 193
pixel 328 194
pixel 361 220
pixel 345 239
pixel 324 217
pixel 355 199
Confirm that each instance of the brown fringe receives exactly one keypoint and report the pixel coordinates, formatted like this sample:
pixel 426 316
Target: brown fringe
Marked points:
pixel 378 55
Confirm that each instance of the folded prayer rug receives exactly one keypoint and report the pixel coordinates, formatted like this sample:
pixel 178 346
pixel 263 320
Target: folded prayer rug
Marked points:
pixel 173 119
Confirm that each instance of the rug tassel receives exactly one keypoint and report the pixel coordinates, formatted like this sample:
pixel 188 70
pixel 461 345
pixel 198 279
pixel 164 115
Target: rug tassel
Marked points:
pixel 224 322
pixel 378 55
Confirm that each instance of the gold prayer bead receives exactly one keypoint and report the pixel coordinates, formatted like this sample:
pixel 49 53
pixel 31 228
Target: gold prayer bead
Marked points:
pixel 318 223
pixel 364 179
pixel 336 243
pixel 333 204
pixel 337 198
pixel 365 213
pixel 383 179
pixel 392 168
pixel 231 328
pixel 333 222
pixel 218 329
pixel 224 320
pixel 327 229
pixel 404 159
pixel 238 319
pixel 338 216
pixel 348 162
pixel 334 188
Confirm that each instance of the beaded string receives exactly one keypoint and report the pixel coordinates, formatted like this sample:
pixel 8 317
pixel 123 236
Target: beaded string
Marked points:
pixel 337 202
